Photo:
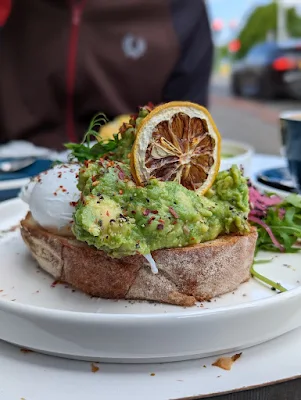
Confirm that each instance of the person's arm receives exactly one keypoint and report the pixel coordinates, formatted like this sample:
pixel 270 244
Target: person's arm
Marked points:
pixel 190 77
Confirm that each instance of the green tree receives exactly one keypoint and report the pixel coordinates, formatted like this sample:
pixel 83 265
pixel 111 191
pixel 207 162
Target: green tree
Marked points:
pixel 223 51
pixel 293 23
pixel 262 21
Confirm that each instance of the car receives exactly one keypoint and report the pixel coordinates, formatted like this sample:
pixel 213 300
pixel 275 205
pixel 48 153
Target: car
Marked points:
pixel 269 69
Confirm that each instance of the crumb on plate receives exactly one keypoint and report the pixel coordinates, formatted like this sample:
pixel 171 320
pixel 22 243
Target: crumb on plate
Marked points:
pixel 226 362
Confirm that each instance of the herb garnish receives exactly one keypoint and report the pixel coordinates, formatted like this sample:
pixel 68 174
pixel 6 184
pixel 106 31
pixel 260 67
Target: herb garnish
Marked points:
pixel 255 274
pixel 84 151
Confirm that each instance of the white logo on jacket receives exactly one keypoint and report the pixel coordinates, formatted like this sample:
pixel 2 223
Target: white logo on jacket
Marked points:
pixel 134 46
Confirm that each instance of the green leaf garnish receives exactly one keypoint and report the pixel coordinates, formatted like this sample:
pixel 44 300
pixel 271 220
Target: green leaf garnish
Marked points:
pixel 265 280
pixel 84 151
pixel 286 228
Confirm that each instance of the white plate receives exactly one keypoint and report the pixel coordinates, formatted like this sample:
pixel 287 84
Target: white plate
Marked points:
pixel 265 188
pixel 33 376
pixel 13 183
pixel 58 321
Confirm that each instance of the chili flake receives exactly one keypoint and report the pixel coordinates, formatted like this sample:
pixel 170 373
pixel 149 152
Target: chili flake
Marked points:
pixel 121 175
pixel 173 212
pixel 25 351
pixel 146 212
pixel 160 227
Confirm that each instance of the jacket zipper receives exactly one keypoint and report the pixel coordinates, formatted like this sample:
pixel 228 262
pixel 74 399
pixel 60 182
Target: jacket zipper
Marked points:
pixel 77 8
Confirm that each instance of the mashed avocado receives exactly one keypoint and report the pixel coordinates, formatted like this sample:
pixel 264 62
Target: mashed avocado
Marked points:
pixel 122 219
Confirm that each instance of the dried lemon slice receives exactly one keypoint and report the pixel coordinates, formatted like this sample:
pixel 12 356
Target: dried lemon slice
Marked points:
pixel 177 141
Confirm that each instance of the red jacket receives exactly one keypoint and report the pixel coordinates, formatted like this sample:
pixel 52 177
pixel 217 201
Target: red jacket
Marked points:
pixel 63 61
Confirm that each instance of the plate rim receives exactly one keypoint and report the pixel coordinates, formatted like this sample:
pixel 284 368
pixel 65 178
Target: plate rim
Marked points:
pixel 266 188
pixel 75 316
pixel 13 183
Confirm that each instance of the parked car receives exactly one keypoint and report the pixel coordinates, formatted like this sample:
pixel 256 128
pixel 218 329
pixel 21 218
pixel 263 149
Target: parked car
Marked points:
pixel 269 69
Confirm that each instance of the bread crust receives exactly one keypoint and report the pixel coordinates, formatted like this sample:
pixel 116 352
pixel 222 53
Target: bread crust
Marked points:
pixel 186 275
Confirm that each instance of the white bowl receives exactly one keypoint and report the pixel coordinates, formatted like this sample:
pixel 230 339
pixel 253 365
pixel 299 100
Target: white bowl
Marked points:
pixel 238 153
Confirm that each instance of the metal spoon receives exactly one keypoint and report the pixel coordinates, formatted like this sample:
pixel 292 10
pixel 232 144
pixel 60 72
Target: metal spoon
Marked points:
pixel 16 165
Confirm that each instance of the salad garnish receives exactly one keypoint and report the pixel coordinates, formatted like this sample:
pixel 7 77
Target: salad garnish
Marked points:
pixel 278 220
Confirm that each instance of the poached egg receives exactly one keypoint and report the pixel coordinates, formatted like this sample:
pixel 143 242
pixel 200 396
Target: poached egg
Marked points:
pixel 52 197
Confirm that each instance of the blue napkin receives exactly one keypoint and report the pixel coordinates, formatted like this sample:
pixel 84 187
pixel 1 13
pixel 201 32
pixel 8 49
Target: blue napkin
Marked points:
pixel 28 172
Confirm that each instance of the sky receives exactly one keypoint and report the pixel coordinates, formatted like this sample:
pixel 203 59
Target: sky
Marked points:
pixel 231 10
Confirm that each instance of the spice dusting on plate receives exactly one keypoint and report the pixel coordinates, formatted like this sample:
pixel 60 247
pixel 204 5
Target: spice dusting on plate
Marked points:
pixel 226 362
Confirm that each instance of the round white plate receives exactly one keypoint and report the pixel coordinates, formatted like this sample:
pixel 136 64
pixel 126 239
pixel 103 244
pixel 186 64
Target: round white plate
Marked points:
pixel 55 319
pixel 13 183
pixel 33 376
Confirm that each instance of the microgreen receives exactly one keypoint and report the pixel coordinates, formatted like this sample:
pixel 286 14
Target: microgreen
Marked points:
pixel 84 150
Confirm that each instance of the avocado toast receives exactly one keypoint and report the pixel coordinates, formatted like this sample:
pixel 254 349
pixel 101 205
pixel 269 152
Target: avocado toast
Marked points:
pixel 163 240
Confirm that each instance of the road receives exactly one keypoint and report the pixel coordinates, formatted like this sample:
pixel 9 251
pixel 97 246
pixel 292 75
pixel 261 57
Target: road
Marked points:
pixel 254 122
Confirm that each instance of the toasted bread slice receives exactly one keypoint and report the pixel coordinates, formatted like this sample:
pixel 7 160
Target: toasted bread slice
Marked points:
pixel 187 274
